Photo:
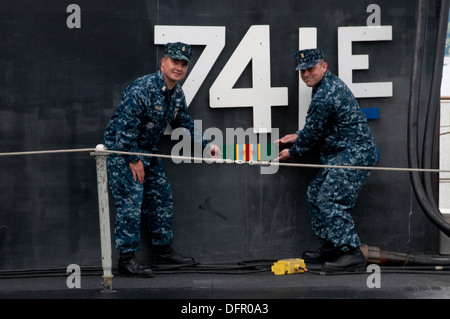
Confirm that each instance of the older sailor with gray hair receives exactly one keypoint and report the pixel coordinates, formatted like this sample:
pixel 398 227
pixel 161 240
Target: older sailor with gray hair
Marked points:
pixel 336 124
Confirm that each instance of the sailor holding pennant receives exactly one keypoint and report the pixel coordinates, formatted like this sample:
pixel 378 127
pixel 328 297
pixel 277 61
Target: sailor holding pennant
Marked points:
pixel 336 124
pixel 139 184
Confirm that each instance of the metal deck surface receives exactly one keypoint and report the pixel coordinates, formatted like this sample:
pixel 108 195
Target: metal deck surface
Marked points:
pixel 229 283
pixel 258 294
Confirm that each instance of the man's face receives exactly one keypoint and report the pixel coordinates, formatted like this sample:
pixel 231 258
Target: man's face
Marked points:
pixel 173 70
pixel 314 75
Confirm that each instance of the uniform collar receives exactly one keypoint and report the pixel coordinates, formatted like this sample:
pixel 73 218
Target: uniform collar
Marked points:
pixel 324 79
pixel 163 86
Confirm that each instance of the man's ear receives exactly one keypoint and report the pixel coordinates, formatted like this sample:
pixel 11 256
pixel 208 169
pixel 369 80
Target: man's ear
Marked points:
pixel 163 61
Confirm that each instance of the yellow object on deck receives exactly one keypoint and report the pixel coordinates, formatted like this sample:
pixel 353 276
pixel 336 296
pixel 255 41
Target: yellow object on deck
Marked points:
pixel 289 266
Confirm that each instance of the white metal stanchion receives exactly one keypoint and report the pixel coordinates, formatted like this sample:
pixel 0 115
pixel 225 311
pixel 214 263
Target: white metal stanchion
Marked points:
pixel 103 203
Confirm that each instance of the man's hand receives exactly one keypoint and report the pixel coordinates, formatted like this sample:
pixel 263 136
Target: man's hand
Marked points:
pixel 138 171
pixel 283 156
pixel 287 139
pixel 214 151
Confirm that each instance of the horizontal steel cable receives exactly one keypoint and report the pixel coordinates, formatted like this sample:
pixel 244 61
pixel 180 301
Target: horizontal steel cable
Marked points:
pixel 99 151
pixel 48 152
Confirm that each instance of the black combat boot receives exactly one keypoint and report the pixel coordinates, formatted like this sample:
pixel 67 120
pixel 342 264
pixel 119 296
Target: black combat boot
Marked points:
pixel 129 266
pixel 352 260
pixel 325 253
pixel 165 255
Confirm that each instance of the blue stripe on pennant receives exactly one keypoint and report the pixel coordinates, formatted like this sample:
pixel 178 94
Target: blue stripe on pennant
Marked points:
pixel 241 152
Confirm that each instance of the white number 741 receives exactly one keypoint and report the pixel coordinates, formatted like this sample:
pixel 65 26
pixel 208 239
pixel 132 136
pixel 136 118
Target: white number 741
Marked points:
pixel 254 47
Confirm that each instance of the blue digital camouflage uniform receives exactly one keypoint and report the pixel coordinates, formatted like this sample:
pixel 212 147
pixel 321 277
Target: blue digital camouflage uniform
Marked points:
pixel 336 124
pixel 146 109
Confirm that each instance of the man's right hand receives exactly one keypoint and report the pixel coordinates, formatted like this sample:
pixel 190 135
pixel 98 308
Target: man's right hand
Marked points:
pixel 138 171
pixel 283 156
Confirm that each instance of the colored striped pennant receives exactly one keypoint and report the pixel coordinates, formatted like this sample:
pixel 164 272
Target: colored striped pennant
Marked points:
pixel 249 152
pixel 253 152
pixel 267 151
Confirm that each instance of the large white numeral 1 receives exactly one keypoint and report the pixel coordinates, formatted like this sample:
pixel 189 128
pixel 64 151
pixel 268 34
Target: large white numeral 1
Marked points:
pixel 255 47
pixel 307 40
pixel 212 37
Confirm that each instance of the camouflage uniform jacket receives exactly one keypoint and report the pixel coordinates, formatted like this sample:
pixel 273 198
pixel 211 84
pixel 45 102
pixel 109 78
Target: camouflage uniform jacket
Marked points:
pixel 146 109
pixel 336 124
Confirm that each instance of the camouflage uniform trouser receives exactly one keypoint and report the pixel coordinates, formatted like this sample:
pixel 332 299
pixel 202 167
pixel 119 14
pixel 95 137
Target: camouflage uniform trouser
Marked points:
pixel 152 201
pixel 331 196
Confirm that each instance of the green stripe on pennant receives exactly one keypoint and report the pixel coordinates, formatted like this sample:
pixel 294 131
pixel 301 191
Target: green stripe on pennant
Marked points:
pixel 228 151
pixel 267 152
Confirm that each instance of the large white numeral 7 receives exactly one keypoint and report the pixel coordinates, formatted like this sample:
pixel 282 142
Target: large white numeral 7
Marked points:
pixel 212 37
pixel 255 47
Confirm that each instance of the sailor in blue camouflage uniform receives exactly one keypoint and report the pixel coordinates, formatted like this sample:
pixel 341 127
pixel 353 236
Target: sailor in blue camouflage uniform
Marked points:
pixel 336 124
pixel 139 184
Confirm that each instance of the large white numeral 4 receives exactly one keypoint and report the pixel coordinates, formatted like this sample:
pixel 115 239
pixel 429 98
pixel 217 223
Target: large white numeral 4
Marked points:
pixel 255 47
